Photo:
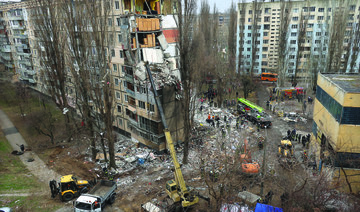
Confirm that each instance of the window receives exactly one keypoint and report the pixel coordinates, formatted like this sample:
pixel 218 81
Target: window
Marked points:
pixel 248 42
pixel 320 18
pixel 114 67
pixel 119 38
pixel 118 95
pixel 292 57
pixel 309 33
pixel 249 34
pixel 311 17
pixel 295 18
pixel 267 19
pixel 249 27
pixel 250 11
pixel 264 55
pixel 118 21
pixel 305 9
pixel 248 49
pixel 109 21
pixel 126 98
pixel 265 49
pixel 292 41
pixel 293 34
pixel 317 41
pixel 121 53
pixel 294 26
pixel 318 34
pixel 248 56
pixel 113 53
pixel 267 10
pixel 324 48
pixel 295 10
pixel 321 9
pixel 292 49
pixel 141 104
pixel 266 33
pixel 351 17
pixel 265 41
pixel 264 63
pixel 312 9
pixel 290 71
pixel 310 25
pixel 349 24
pixel 249 19
pixel 117 5
pixel 151 107
pixel 266 26
pixel 329 9
pixel 116 81
pixel 352 7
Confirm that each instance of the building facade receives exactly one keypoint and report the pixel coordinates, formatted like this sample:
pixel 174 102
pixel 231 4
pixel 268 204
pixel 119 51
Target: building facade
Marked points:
pixel 305 29
pixel 336 128
pixel 141 32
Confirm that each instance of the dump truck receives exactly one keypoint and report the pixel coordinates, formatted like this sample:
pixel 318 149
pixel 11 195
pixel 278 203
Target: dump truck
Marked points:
pixel 95 200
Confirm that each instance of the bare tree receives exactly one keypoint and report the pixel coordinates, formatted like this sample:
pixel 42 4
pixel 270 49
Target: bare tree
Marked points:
pixel 186 14
pixel 354 44
pixel 256 18
pixel 241 35
pixel 45 17
pixel 336 36
pixel 283 45
pixel 301 40
pixel 232 37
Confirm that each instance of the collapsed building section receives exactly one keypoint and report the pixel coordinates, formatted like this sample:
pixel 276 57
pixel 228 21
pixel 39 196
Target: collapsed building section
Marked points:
pixel 148 36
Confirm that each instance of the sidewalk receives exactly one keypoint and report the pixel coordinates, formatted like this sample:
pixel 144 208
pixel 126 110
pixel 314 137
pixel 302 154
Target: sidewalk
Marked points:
pixel 37 167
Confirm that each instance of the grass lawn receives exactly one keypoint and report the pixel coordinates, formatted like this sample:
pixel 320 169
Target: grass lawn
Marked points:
pixel 15 179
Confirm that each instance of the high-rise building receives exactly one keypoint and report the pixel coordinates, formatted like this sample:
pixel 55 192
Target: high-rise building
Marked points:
pixel 141 32
pixel 304 36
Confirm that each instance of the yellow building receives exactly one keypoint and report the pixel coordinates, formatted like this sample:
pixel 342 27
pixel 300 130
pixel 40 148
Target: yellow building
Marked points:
pixel 336 128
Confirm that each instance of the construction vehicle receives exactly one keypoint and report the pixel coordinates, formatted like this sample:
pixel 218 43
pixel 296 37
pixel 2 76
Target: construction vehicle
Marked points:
pixel 286 153
pixel 69 187
pixel 102 194
pixel 248 166
pixel 254 113
pixel 176 189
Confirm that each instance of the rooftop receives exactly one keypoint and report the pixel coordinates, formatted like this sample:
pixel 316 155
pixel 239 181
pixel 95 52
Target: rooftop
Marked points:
pixel 348 82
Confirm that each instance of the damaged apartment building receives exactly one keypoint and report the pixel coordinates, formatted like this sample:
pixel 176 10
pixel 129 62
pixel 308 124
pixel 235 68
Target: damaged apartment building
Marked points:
pixel 145 32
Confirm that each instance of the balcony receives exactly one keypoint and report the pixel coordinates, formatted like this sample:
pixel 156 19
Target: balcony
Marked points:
pixel 20 17
pixel 133 122
pixel 129 78
pixel 20 36
pixel 6 49
pixel 17 26
pixel 31 72
pixel 6 58
pixel 130 92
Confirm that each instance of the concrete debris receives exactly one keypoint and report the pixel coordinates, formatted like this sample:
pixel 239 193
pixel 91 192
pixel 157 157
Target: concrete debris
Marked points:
pixel 153 55
pixel 163 43
pixel 141 71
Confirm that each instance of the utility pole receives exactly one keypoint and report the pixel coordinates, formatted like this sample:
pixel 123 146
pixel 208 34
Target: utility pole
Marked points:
pixel 263 171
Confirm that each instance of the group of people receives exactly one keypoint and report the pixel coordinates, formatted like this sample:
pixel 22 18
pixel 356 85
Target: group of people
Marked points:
pixel 293 136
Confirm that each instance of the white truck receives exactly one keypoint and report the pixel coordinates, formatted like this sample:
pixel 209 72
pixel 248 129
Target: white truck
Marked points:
pixel 95 200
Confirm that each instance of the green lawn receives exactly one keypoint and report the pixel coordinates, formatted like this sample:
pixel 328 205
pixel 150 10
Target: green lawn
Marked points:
pixel 16 179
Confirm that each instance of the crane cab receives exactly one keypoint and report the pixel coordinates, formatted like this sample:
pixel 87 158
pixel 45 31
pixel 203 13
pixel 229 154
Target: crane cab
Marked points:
pixel 172 190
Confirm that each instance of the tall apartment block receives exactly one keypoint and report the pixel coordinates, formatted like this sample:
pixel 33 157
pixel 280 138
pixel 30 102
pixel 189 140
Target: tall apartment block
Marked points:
pixel 144 31
pixel 312 23
pixel 15 50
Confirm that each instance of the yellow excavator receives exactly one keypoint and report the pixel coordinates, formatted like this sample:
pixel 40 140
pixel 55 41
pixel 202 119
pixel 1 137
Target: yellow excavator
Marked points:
pixel 286 153
pixel 69 187
pixel 176 189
